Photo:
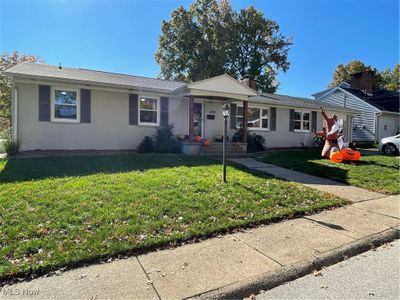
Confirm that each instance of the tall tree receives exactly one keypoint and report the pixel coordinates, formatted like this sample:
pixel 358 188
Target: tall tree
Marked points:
pixel 8 60
pixel 390 79
pixel 386 79
pixel 261 49
pixel 343 71
pixel 210 39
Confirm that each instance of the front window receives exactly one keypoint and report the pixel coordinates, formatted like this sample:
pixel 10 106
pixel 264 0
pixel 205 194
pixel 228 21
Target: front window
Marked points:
pixel 148 111
pixel 302 120
pixel 256 117
pixel 239 117
pixel 65 105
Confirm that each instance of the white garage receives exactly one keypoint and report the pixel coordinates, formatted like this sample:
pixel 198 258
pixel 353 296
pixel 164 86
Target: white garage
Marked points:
pixel 388 125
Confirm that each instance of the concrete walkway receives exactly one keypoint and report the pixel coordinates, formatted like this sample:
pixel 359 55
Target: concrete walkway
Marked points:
pixel 233 260
pixel 351 193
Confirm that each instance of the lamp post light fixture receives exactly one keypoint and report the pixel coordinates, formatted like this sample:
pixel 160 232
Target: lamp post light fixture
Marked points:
pixel 225 113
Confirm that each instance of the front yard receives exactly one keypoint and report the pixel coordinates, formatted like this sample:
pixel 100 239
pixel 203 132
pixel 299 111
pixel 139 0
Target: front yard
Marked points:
pixel 376 172
pixel 62 211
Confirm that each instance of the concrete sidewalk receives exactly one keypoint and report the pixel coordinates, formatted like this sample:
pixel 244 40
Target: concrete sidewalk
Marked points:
pixel 234 261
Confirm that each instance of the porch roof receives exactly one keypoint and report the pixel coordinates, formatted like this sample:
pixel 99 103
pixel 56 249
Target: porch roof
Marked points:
pixel 222 88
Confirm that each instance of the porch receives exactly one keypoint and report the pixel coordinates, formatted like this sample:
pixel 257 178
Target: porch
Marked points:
pixel 234 150
pixel 205 120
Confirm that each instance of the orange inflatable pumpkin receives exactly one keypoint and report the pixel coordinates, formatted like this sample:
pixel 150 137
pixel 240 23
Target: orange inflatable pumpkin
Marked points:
pixel 206 143
pixel 350 154
pixel 336 157
pixel 345 154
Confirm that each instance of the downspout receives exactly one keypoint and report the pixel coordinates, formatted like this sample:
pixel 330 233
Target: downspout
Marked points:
pixel 14 112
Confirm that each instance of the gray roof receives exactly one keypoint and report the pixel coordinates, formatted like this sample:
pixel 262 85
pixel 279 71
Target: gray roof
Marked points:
pixel 39 70
pixel 284 100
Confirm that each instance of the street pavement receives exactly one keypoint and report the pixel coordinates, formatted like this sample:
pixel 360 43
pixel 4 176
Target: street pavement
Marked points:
pixel 372 275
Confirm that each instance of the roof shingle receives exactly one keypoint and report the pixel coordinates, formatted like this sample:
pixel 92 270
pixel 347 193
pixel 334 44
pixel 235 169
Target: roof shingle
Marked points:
pixel 91 76
pixel 382 99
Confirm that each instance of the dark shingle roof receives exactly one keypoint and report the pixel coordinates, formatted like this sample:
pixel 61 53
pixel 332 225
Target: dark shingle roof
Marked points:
pixel 91 76
pixel 382 99
pixel 284 100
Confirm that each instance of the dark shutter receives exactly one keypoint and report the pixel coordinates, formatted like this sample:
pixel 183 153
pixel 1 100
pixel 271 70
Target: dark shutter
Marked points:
pixel 133 109
pixel 291 120
pixel 233 116
pixel 313 121
pixel 273 119
pixel 85 106
pixel 164 111
pixel 44 103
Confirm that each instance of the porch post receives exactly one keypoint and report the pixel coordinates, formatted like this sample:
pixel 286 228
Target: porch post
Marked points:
pixel 191 117
pixel 245 107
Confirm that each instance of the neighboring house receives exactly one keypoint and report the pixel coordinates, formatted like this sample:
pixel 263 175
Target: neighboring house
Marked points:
pixel 58 108
pixel 379 109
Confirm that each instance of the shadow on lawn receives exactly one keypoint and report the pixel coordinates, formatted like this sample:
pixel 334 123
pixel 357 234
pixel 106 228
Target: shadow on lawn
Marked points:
pixel 27 169
pixel 334 173
pixel 368 163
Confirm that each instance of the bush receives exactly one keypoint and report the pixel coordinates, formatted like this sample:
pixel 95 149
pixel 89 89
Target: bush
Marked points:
pixel 10 146
pixel 146 146
pixel 164 141
pixel 255 142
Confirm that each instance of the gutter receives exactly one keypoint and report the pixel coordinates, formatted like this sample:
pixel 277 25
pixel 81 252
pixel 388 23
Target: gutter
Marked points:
pixel 316 107
pixel 88 83
pixel 14 111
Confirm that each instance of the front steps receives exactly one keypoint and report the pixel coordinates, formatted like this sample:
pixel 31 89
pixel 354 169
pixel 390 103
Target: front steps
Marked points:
pixel 233 150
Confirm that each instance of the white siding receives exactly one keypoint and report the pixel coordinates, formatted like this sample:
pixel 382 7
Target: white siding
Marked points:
pixel 109 128
pixel 282 137
pixel 364 123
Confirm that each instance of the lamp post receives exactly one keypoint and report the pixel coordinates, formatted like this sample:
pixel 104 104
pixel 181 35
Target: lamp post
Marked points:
pixel 225 113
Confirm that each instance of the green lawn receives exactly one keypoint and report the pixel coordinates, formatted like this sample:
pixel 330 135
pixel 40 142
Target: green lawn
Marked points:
pixel 63 211
pixel 376 172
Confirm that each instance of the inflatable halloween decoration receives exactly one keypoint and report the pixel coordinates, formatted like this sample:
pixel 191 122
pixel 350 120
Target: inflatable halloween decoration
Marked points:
pixel 346 154
pixel 335 155
pixel 335 148
pixel 350 154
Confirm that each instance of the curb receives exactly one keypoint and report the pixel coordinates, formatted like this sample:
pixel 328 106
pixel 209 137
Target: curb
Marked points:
pixel 269 280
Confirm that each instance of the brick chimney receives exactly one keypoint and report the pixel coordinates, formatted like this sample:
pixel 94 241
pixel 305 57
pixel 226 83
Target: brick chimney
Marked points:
pixel 250 82
pixel 362 81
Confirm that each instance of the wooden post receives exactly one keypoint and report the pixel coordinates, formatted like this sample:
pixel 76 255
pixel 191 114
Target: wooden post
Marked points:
pixel 245 108
pixel 191 118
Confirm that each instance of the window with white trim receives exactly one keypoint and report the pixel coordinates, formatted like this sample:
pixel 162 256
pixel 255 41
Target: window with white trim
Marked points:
pixel 302 120
pixel 65 105
pixel 149 111
pixel 257 118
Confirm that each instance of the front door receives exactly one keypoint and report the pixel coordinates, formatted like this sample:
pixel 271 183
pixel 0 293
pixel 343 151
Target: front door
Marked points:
pixel 198 119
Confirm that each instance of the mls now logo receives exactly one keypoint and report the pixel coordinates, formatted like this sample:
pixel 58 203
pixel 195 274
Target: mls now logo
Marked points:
pixel 19 292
